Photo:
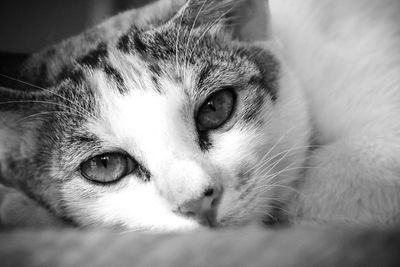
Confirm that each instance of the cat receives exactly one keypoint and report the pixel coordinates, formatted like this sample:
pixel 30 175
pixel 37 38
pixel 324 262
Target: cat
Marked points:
pixel 213 113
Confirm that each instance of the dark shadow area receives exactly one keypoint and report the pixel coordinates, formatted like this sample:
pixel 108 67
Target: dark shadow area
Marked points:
pixel 27 26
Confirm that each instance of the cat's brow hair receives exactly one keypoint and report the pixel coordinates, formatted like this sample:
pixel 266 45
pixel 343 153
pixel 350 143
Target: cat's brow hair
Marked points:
pixel 98 59
pixel 155 73
pixel 169 45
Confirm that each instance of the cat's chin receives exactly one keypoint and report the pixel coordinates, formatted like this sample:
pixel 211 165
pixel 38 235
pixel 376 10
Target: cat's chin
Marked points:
pixel 187 225
pixel 190 226
pixel 195 226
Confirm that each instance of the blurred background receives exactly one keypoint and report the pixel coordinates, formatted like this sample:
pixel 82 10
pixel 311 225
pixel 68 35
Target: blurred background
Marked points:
pixel 29 25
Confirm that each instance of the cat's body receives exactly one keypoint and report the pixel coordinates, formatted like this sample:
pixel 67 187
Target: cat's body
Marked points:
pixel 326 83
pixel 351 78
pixel 346 55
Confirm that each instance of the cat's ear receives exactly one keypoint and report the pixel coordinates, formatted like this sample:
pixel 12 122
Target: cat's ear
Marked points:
pixel 247 20
pixel 7 95
pixel 16 129
pixel 253 21
pixel 14 96
pixel 21 102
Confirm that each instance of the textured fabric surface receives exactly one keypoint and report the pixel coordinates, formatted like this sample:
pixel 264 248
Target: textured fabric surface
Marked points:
pixel 249 246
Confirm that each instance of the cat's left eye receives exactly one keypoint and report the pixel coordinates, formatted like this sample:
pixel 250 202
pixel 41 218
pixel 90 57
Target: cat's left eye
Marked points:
pixel 216 110
pixel 107 168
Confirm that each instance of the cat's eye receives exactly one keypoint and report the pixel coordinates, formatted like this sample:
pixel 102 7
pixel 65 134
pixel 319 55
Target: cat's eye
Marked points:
pixel 107 168
pixel 216 110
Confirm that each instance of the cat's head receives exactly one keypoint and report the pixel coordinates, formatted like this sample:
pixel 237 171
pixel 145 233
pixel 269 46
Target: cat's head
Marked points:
pixel 183 123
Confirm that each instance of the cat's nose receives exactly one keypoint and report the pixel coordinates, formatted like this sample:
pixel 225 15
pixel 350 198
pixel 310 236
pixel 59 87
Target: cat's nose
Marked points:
pixel 203 209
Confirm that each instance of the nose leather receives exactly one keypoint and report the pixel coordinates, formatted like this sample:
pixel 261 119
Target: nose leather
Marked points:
pixel 202 209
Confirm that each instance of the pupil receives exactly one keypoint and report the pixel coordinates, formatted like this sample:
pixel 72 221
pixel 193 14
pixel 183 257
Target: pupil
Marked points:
pixel 104 161
pixel 210 104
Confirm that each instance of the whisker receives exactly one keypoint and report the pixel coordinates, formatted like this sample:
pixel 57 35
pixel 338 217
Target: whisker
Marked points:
pixel 267 154
pixel 278 157
pixel 177 39
pixel 43 102
pixel 289 166
pixel 43 113
pixel 264 213
pixel 262 161
pixel 269 206
pixel 277 185
pixel 286 169
pixel 270 177
pixel 267 186
pixel 208 28
pixel 45 90
pixel 191 31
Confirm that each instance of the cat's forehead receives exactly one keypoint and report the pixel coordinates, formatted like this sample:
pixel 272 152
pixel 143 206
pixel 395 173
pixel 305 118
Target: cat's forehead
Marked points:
pixel 189 63
pixel 185 47
pixel 171 53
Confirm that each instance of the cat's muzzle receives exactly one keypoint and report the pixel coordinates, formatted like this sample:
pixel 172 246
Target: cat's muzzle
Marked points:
pixel 203 209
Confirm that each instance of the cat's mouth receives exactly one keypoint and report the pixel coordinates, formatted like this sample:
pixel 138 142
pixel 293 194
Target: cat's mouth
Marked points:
pixel 277 216
pixel 208 219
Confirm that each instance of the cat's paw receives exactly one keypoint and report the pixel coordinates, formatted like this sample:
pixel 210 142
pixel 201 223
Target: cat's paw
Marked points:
pixel 18 210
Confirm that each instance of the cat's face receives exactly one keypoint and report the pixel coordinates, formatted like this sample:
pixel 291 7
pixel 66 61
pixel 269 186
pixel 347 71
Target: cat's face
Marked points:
pixel 170 128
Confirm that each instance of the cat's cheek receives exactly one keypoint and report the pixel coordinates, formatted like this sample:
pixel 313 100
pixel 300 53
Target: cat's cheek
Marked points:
pixel 237 154
pixel 135 206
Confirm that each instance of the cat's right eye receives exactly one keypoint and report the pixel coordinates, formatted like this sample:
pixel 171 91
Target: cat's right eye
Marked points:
pixel 107 168
pixel 216 110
